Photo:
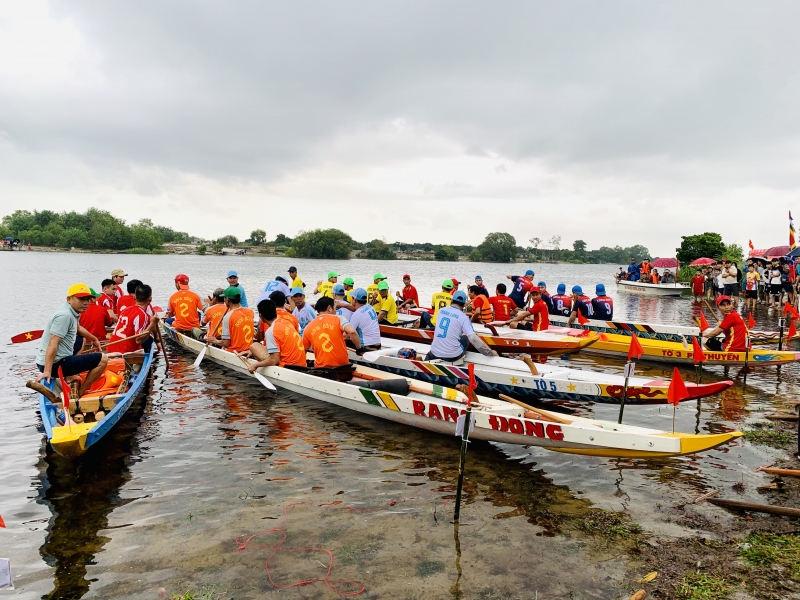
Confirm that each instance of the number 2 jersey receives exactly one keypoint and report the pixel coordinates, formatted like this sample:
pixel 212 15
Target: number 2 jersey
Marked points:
pixel 133 321
pixel 238 326
pixel 185 304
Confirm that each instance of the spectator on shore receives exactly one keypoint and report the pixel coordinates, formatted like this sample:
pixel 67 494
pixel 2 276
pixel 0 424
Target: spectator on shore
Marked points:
pixel 698 285
pixel 751 287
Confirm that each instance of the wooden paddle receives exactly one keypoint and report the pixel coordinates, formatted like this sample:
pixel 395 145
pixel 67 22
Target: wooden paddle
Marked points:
pixel 263 380
pixel 527 360
pixel 160 341
pixel 539 416
pixel 211 330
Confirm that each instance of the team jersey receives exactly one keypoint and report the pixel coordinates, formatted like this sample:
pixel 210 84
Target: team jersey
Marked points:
pixel 94 320
pixel 213 318
pixel 603 308
pixel 539 320
pixel 125 301
pixel 562 304
pixel 451 325
pixel 282 337
pixel 343 311
pixel 185 304
pixel 752 280
pixel 132 321
pixel 325 337
pixel 389 306
pixel 282 314
pixel 735 332
pixel 108 302
pixel 304 316
pixel 297 282
pixel 326 289
pixel 238 327
pixel 481 305
pixel 372 291
pixel 548 300
pixel 410 293
pixel 348 295
pixel 365 322
pixel 522 285
pixel 584 305
pixel 502 305
pixel 438 301
pixel 274 286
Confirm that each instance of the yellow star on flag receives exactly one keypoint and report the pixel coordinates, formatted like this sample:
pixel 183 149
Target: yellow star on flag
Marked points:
pixel 28 336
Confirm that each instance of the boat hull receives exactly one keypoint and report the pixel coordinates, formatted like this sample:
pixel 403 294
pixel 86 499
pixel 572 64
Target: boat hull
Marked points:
pixel 660 290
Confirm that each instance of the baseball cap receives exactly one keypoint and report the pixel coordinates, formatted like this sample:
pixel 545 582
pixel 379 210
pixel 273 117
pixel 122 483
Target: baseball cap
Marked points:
pixel 182 281
pixel 281 278
pixel 542 284
pixel 348 281
pixel 378 276
pixel 332 274
pixel 721 299
pixel 118 273
pixel 360 294
pixel 561 288
pixel 600 289
pixel 95 294
pixel 447 284
pixel 530 272
pixel 478 277
pixel 338 289
pixel 406 276
pixel 382 285
pixel 298 291
pixel 231 292
pixel 455 281
pixel 460 297
pixel 80 290
pixel 233 274
pixel 576 289
pixel 292 270
pixel 536 290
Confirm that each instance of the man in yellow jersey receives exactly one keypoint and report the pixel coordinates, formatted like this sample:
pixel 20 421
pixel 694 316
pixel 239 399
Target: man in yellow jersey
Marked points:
pixel 326 288
pixel 349 286
pixel 386 307
pixel 296 281
pixel 372 290
pixel 438 300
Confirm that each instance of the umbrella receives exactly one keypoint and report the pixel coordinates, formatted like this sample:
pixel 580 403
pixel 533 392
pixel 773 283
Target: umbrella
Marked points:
pixel 665 263
pixel 702 261
pixel 777 252
pixel 794 253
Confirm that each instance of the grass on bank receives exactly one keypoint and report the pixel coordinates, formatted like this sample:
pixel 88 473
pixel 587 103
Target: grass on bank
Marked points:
pixel 701 586
pixel 765 549
pixel 767 435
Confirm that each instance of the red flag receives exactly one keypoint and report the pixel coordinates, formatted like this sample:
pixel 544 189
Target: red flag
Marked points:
pixel 751 322
pixel 472 384
pixel 792 330
pixel 787 309
pixel 697 353
pixel 635 350
pixel 581 319
pixel 2 523
pixel 677 389
pixel 751 245
pixel 65 391
pixel 28 336
pixel 703 323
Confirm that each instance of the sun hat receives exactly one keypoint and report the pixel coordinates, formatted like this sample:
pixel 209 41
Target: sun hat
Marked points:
pixel 232 292
pixel 478 277
pixel 576 289
pixel 182 281
pixel 406 276
pixel 118 273
pixel 447 284
pixel 292 270
pixel 298 291
pixel 378 276
pixel 530 272
pixel 542 284
pixel 95 294
pixel 721 299
pixel 460 297
pixel 382 285
pixel 360 294
pixel 455 281
pixel 79 290
pixel 233 274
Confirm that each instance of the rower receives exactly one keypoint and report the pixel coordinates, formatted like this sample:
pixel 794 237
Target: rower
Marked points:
pixel 185 306
pixel 342 307
pixel 94 319
pixel 238 324
pixel 438 301
pixel 732 326
pixel 349 288
pixel 456 283
pixel 136 324
pixel 215 310
pixel 562 304
pixel 372 289
pixel 365 322
pixel 233 281
pixel 580 302
pixel 304 313
pixel 281 307
pixel 479 283
pixel 546 296
pixel 128 299
pixel 454 333
pixel 535 318
pixel 602 305
pixel 504 307
pixel 282 344
pixel 56 353
pixel 279 284
pixel 409 295
pixel 481 309
pixel 326 288
pixel 385 306
pixel 324 336
pixel 108 299
pixel 295 278
pixel 522 285
pixel 118 276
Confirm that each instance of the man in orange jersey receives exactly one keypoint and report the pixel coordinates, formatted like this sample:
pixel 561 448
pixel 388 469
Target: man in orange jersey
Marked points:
pixel 282 344
pixel 215 310
pixel 325 336
pixel 186 307
pixel 238 325
pixel 278 298
pixel 135 324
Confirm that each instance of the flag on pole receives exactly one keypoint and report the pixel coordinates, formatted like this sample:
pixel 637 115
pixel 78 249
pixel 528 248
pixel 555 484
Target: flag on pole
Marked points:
pixel 472 384
pixel 703 323
pixel 750 243
pixel 581 319
pixel 65 391
pixel 697 352
pixel 792 330
pixel 792 232
pixel 635 350
pixel 677 389
pixel 751 322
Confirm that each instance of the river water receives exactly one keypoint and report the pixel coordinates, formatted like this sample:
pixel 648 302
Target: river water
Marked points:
pixel 209 457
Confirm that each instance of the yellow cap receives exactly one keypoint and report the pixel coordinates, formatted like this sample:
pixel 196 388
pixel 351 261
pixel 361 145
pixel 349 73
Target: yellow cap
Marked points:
pixel 79 290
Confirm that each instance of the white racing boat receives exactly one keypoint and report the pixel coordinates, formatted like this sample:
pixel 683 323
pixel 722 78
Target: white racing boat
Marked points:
pixel 437 409
pixel 652 289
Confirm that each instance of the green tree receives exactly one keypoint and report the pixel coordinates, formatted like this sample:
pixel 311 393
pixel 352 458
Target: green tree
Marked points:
pixel 281 240
pixel 498 247
pixel 18 221
pixel 579 246
pixel 707 245
pixel 380 250
pixel 734 252
pixel 74 238
pixel 145 237
pixel 475 255
pixel 202 248
pixel 322 243
pixel 446 253
pixel 258 236
pixel 228 240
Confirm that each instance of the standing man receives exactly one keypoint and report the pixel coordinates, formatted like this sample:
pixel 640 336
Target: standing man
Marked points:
pixel 454 333
pixel 751 287
pixel 385 306
pixel 522 286
pixel 535 318
pixel 185 307
pixel 562 304
pixel 438 300
pixel 282 344
pixel 326 288
pixel 365 322
pixel 732 326
pixel 698 285
pixel 118 276
pixel 602 305
pixel 304 313
pixel 503 306
pixel 108 299
pixel 409 296
pixel 324 336
pixel 233 281
pixel 296 281
pixel 56 349
pixel 580 302
pixel 730 281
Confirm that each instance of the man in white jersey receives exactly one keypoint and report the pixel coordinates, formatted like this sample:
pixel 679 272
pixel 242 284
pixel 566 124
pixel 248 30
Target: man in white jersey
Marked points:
pixel 454 333
pixel 342 307
pixel 365 322
pixel 278 284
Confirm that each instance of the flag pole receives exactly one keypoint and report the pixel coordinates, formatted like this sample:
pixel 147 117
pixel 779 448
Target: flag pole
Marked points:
pixel 629 366
pixel 746 357
pixel 464 442
pixel 780 334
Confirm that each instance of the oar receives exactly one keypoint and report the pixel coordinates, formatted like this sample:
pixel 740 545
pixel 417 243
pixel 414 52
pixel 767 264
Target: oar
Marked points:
pixel 211 330
pixel 119 341
pixel 263 380
pixel 160 341
pixel 28 336
pixel 711 310
pixel 542 417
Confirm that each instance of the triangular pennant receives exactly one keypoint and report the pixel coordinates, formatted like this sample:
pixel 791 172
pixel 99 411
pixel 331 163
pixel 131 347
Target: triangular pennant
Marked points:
pixel 635 351
pixel 677 389
pixel 697 353
pixel 2 523
pixel 788 308
pixel 581 319
pixel 751 322
pixel 792 330
pixel 703 323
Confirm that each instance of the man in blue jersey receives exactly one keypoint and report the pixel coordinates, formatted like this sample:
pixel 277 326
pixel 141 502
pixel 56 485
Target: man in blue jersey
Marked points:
pixel 602 305
pixel 562 304
pixel 365 322
pixel 546 296
pixel 233 281
pixel 580 302
pixel 304 313
pixel 454 333
pixel 522 285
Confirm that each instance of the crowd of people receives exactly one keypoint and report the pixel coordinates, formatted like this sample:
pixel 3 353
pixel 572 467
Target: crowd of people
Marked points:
pixel 645 272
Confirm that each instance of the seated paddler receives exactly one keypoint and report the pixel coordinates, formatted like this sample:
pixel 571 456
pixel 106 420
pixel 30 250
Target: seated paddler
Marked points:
pixel 238 324
pixel 454 333
pixel 282 344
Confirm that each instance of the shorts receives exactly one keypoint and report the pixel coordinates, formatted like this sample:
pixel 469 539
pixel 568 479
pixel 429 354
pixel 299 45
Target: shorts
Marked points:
pixel 731 289
pixel 525 326
pixel 72 365
pixel 775 289
pixel 787 287
pixel 750 294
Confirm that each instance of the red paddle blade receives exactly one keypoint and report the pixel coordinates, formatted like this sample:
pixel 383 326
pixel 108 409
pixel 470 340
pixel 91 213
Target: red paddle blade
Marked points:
pixel 157 309
pixel 28 336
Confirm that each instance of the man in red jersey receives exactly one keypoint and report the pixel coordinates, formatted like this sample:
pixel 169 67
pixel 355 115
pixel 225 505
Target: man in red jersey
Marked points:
pixel 108 299
pixel 536 317
pixel 409 297
pixel 94 320
pixel 504 307
pixel 562 304
pixel 134 323
pixel 128 299
pixel 732 326
pixel 118 276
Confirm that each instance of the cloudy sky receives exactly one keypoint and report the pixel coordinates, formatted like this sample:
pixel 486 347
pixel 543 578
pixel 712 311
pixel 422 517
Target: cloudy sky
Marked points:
pixel 613 122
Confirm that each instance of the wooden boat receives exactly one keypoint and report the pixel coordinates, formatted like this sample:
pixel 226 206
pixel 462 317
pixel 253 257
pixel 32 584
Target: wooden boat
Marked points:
pixel 652 289
pixel 536 343
pixel 110 397
pixel 510 376
pixel 437 408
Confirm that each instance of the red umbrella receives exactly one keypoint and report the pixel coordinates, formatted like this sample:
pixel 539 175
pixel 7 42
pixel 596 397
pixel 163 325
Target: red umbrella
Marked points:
pixel 702 261
pixel 777 252
pixel 665 263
